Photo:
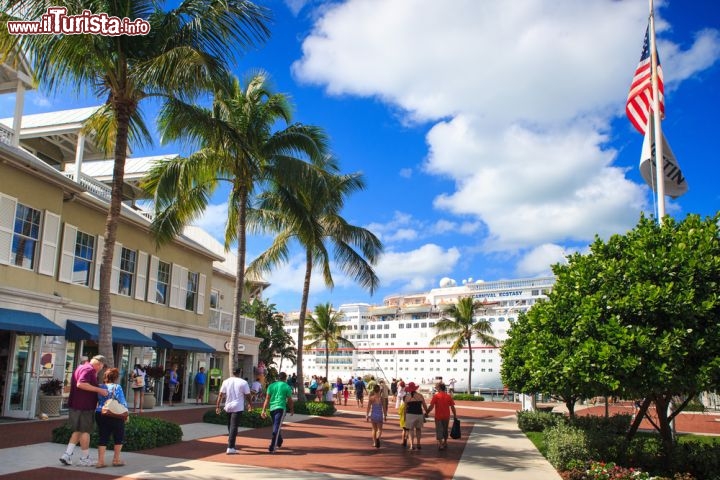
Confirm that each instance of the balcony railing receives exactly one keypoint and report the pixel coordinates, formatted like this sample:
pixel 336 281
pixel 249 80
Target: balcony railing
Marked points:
pixel 6 135
pixel 222 321
pixel 91 185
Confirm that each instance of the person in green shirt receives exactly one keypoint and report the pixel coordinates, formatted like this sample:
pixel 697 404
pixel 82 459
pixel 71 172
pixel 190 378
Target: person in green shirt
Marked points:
pixel 279 398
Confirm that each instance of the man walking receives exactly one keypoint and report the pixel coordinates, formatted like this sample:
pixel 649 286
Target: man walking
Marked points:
pixel 236 393
pixel 279 398
pixel 443 404
pixel 82 401
pixel 200 379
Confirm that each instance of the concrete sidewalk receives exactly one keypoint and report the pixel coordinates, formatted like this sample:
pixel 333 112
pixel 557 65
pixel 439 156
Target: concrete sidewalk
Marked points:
pixel 494 450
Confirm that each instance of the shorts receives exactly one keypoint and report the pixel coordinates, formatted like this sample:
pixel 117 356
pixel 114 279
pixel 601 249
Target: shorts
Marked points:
pixel 441 429
pixel 413 420
pixel 82 420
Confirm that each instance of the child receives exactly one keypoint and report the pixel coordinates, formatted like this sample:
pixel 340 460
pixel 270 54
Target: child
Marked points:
pixel 401 413
pixel 346 394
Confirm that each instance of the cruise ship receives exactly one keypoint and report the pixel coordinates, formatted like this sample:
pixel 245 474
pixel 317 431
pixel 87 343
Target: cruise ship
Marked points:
pixel 392 340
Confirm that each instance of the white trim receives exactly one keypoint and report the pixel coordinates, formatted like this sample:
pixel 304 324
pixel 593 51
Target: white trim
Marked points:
pixel 67 255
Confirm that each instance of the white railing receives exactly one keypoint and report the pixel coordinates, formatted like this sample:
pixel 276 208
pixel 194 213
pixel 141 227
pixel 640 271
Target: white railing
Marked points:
pixel 222 321
pixel 6 135
pixel 91 185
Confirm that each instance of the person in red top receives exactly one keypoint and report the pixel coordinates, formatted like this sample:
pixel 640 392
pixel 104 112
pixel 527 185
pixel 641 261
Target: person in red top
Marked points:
pixel 443 404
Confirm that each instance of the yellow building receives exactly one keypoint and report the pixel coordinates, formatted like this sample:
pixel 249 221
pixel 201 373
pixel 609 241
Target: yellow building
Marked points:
pixel 170 305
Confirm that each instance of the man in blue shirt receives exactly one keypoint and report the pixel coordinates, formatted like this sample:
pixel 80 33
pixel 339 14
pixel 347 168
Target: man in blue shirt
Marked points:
pixel 200 379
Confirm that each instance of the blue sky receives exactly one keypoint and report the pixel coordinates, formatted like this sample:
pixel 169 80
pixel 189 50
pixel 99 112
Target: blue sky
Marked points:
pixel 491 134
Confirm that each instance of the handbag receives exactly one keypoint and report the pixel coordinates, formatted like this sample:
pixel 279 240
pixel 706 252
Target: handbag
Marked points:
pixel 455 430
pixel 139 381
pixel 113 408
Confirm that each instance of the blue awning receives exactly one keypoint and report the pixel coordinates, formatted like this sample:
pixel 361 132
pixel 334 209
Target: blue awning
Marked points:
pixel 28 322
pixel 76 330
pixel 176 342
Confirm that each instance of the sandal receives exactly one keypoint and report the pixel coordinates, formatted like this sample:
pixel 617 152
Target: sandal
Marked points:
pixel 119 464
pixel 100 465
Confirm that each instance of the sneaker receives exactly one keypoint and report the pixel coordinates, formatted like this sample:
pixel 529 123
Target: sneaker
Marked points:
pixel 231 451
pixel 86 462
pixel 66 459
pixel 271 450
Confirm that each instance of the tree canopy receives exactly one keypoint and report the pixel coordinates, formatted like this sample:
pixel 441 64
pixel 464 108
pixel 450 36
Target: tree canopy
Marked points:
pixel 636 317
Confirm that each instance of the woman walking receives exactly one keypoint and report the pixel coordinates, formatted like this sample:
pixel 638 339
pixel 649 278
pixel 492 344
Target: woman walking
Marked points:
pixel 375 414
pixel 138 387
pixel 414 414
pixel 110 425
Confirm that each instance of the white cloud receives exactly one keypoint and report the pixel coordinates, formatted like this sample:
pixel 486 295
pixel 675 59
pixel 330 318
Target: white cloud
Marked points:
pixel 213 220
pixel 539 259
pixel 522 95
pixel 415 270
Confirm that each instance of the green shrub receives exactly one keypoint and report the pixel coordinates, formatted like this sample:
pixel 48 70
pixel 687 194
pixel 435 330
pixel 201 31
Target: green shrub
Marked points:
pixel 702 460
pixel 140 433
pixel 536 421
pixel 567 447
pixel 616 424
pixel 694 406
pixel 320 409
pixel 468 396
pixel 251 419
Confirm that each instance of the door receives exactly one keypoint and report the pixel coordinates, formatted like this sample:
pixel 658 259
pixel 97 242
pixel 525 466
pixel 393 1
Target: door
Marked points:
pixel 22 384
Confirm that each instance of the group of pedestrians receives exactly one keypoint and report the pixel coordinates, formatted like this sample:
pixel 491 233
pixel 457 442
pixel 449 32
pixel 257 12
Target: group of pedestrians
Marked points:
pixel 86 401
pixel 236 394
pixel 413 412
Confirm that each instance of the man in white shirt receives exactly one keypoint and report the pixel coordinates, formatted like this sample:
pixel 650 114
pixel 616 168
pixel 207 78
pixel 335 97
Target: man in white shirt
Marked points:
pixel 236 393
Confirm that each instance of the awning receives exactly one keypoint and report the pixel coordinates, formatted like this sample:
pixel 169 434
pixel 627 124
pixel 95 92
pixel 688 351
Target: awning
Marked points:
pixel 177 342
pixel 76 330
pixel 28 322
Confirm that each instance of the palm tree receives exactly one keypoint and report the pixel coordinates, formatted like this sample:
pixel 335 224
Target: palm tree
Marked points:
pixel 325 331
pixel 288 351
pixel 187 48
pixel 238 145
pixel 460 326
pixel 309 213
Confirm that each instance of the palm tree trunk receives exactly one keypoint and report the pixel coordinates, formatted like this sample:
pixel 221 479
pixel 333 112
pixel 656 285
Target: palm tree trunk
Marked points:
pixel 301 326
pixel 469 388
pixel 123 111
pixel 239 278
pixel 327 360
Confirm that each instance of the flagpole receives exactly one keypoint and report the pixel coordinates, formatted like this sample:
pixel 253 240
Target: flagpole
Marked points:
pixel 659 157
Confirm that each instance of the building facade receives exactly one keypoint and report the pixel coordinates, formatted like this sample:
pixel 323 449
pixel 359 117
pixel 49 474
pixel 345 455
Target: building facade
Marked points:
pixel 170 304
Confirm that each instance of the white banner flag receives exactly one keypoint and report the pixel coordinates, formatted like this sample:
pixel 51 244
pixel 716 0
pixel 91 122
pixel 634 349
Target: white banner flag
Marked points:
pixel 675 184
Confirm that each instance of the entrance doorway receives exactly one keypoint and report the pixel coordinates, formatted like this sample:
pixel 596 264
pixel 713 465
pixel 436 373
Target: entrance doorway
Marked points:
pixel 19 388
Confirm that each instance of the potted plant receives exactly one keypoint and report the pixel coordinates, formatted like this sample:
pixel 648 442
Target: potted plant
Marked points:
pixel 152 375
pixel 50 399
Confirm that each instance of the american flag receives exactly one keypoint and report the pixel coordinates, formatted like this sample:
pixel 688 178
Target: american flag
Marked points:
pixel 640 98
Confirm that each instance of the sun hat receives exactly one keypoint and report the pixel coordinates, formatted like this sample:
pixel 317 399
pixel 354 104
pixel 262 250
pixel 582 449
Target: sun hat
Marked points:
pixel 411 387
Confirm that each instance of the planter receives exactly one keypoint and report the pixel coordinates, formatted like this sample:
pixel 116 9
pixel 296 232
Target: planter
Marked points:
pixel 148 401
pixel 49 405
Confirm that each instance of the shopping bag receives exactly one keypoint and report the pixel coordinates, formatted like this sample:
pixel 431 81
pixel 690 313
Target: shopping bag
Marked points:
pixel 139 381
pixel 455 430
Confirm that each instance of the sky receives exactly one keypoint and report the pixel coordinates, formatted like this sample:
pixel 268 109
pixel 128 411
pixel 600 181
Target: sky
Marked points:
pixel 491 134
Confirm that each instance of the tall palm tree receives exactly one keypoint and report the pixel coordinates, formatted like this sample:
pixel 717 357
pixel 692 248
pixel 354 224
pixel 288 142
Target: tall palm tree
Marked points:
pixel 309 213
pixel 460 327
pixel 238 144
pixel 325 331
pixel 187 48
